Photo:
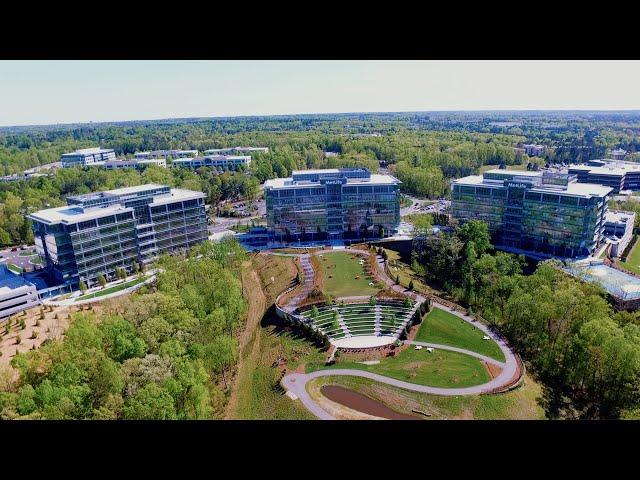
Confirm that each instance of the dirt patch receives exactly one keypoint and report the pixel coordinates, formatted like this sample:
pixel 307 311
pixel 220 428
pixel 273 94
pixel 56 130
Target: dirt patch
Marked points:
pixel 493 369
pixel 47 325
pixel 249 339
pixel 362 403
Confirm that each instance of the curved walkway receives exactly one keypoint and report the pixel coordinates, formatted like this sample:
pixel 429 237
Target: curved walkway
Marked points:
pixel 296 382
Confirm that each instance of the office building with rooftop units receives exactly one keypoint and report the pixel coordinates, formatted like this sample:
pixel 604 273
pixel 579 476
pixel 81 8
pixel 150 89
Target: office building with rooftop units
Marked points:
pixel 615 174
pixel 99 232
pixel 219 162
pixel 618 228
pixel 16 294
pixel 331 204
pixel 236 150
pixel 166 154
pixel 544 213
pixel 87 157
pixel 137 163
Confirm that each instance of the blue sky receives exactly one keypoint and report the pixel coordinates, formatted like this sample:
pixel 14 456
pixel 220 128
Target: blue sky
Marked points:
pixel 43 92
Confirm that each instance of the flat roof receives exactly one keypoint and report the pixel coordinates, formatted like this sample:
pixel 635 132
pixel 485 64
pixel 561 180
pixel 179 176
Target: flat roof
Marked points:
pixel 573 188
pixel 177 194
pixel 89 151
pixel 9 281
pixel 617 216
pixel 374 179
pixel 71 214
pixel 520 173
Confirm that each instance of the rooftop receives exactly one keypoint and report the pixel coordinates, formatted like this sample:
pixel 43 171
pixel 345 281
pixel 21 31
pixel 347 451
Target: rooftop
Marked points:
pixel 71 214
pixel 375 179
pixel 9 281
pixel 617 216
pixel 89 151
pixel 571 188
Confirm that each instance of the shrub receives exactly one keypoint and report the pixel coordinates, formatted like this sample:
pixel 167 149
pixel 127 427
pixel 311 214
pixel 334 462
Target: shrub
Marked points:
pixel 23 324
pixel 34 335
pixel 411 286
pixel 18 340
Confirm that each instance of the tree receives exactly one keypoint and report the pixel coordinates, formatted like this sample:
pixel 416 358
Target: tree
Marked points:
pixel 83 286
pixel 135 267
pixel 411 286
pixel 151 402
pixel 102 281
pixel 397 279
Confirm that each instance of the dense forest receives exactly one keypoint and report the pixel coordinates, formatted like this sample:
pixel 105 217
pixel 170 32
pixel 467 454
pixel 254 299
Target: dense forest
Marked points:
pixel 163 353
pixel 424 150
pixel 587 355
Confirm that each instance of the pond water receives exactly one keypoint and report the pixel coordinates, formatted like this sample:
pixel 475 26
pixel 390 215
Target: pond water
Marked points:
pixel 362 403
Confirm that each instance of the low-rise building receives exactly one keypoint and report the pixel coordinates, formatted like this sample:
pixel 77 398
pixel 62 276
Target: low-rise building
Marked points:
pixel 219 162
pixel 137 163
pixel 166 154
pixel 87 157
pixel 16 294
pixel 618 154
pixel 615 174
pixel 534 150
pixel 236 150
pixel 618 227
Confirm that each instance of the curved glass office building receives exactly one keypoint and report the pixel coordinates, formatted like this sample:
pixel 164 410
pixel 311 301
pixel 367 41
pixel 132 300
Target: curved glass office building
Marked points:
pixel 99 232
pixel 341 203
pixel 538 212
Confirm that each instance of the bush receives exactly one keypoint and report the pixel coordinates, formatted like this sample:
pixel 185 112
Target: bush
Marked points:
pixel 23 324
pixel 411 286
pixel 18 340
pixel 34 335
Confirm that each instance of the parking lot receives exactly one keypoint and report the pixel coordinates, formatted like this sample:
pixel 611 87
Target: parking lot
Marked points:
pixel 7 256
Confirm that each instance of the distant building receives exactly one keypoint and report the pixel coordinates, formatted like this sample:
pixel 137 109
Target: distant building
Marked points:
pixel 617 175
pixel 339 203
pixel 539 212
pixel 219 162
pixel 136 163
pixel 534 150
pixel 16 294
pixel 166 154
pixel 618 154
pixel 99 232
pixel 236 150
pixel 87 157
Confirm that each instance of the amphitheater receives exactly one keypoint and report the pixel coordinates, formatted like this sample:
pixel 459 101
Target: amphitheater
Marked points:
pixel 360 325
pixel 352 322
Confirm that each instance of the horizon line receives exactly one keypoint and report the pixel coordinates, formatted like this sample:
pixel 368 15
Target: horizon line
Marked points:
pixel 217 117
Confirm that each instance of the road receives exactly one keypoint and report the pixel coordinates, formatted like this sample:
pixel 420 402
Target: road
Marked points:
pixel 296 382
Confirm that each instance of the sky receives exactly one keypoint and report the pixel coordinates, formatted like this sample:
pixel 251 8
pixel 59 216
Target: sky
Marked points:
pixel 48 92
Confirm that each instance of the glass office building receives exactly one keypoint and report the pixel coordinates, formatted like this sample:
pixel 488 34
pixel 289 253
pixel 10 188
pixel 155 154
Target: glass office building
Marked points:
pixel 99 232
pixel 539 212
pixel 345 203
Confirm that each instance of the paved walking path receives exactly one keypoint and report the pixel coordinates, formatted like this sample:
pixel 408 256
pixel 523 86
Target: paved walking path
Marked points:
pixel 296 382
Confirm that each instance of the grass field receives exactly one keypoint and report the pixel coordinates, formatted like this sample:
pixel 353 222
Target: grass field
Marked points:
pixel 258 396
pixel 404 271
pixel 109 290
pixel 445 328
pixel 633 260
pixel 519 404
pixel 339 275
pixel 14 268
pixel 27 254
pixel 438 369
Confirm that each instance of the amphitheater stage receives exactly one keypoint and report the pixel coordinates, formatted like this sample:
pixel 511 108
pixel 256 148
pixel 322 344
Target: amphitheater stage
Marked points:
pixel 363 341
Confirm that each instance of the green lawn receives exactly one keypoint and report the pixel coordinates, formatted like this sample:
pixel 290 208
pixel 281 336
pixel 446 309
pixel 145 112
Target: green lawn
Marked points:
pixel 519 404
pixel 340 272
pixel 438 369
pixel 445 328
pixel 109 290
pixel 14 268
pixel 27 254
pixel 633 260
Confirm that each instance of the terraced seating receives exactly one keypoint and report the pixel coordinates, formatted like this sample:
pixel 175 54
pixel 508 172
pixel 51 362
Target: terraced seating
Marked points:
pixel 385 318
